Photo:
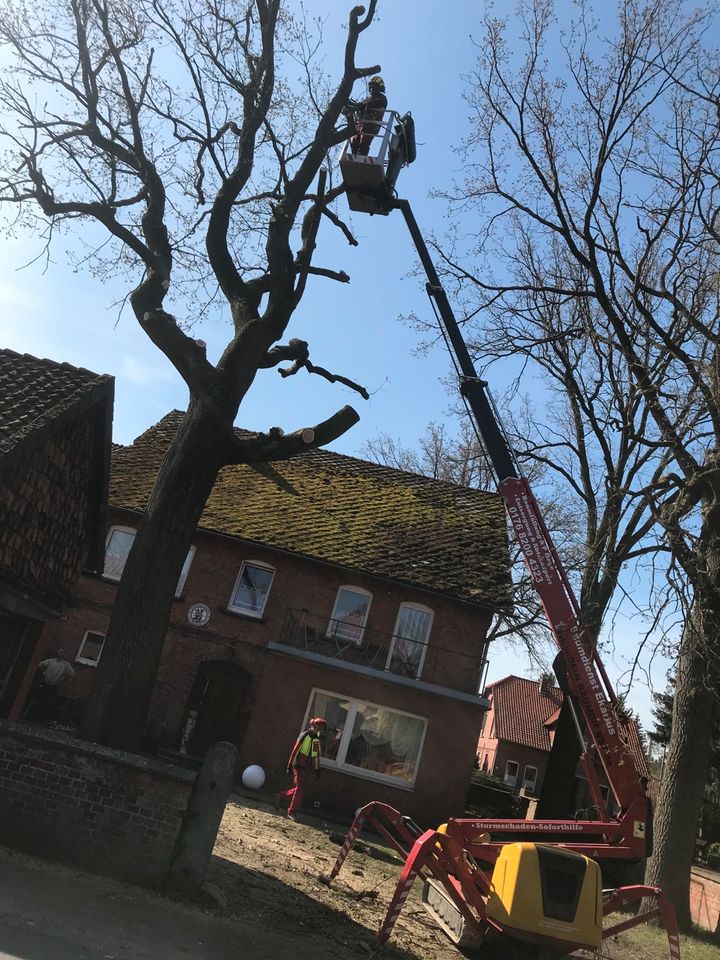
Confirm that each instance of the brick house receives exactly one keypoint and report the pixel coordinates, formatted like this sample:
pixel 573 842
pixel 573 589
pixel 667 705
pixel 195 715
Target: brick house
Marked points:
pixel 518 732
pixel 320 585
pixel 55 436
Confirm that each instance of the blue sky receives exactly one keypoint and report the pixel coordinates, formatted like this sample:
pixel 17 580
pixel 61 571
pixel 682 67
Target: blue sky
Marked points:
pixel 50 310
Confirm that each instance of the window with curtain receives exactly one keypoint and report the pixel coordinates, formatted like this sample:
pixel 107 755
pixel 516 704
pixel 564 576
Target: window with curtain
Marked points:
pixel 252 588
pixel 369 740
pixel 350 613
pixel 410 638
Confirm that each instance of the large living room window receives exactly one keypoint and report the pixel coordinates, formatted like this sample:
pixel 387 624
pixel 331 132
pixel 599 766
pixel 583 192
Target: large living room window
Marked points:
pixel 368 740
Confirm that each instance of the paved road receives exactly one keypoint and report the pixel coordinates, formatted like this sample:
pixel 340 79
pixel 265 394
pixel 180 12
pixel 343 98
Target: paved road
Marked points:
pixel 52 912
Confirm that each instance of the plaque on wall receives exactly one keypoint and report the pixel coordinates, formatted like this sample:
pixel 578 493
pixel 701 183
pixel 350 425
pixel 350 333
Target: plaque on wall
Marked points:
pixel 198 614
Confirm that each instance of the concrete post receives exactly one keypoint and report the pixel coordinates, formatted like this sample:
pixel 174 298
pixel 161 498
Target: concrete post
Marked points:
pixel 196 839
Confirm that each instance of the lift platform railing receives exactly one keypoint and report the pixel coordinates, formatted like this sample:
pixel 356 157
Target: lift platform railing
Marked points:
pixel 379 151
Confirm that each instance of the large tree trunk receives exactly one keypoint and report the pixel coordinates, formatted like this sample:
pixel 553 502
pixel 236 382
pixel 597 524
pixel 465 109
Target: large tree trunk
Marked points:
pixel 557 798
pixel 117 708
pixel 688 755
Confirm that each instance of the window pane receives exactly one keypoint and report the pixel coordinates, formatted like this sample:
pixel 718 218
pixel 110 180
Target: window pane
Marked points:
pixel 335 712
pixel 349 615
pixel 116 552
pixel 385 742
pixel 91 647
pixel 409 641
pixel 529 778
pixel 252 589
pixel 511 772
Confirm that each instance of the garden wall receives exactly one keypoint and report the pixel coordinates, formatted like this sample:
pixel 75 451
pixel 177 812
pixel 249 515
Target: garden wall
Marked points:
pixel 705 899
pixel 108 811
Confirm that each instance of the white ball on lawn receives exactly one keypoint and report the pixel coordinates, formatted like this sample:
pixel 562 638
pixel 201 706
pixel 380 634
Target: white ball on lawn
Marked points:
pixel 253 777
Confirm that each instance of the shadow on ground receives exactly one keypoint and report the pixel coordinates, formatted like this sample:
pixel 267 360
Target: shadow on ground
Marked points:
pixel 263 899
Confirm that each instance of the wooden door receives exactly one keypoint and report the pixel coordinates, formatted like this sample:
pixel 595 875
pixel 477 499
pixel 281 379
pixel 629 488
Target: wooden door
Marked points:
pixel 219 697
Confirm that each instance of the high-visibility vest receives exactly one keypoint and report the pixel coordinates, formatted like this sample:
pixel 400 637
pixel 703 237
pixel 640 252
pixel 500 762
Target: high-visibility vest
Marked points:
pixel 306 751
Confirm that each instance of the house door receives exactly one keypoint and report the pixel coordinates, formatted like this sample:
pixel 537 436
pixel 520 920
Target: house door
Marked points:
pixel 13 631
pixel 217 708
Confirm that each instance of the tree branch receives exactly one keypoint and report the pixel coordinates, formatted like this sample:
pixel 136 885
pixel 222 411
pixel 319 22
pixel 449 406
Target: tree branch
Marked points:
pixel 275 445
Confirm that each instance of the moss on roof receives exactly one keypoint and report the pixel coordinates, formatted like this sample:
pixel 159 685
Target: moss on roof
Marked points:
pixel 341 510
pixel 35 393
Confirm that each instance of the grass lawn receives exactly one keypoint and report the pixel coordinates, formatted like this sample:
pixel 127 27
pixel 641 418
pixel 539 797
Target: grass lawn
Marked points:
pixel 650 943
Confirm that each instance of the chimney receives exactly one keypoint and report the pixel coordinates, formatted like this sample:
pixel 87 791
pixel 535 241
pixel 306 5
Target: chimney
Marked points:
pixel 546 681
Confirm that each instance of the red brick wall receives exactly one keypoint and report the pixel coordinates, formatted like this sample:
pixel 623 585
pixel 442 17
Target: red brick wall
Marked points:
pixel 44 513
pixel 278 695
pixel 89 805
pixel 441 786
pixel 705 899
pixel 523 756
pixel 498 752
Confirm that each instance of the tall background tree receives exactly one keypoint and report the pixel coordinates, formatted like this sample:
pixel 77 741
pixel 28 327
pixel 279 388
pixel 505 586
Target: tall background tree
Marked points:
pixel 596 185
pixel 172 135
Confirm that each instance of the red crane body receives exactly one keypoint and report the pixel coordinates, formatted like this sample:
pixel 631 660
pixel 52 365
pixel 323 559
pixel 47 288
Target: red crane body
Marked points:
pixel 459 856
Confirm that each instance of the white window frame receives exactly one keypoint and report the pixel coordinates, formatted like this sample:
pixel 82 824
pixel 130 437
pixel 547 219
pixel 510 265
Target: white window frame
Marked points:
pixel 511 781
pixel 345 738
pixel 531 788
pixel 133 530
pixel 423 609
pixel 121 529
pixel 334 622
pixel 261 565
pixel 79 657
pixel 184 572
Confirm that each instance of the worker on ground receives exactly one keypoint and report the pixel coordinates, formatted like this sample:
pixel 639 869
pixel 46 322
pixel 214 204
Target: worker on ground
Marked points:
pixel 44 698
pixel 368 113
pixel 304 758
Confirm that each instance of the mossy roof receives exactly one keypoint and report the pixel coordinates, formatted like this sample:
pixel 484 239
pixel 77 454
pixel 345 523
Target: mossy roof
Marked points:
pixel 36 395
pixel 341 510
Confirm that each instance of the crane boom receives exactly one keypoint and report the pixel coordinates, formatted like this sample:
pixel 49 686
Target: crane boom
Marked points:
pixel 586 683
pixel 528 882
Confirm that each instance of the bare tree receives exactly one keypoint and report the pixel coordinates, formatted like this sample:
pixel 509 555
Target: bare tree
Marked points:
pixel 171 132
pixel 597 187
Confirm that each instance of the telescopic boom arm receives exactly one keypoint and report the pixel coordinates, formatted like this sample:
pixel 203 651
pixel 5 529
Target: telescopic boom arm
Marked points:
pixel 586 683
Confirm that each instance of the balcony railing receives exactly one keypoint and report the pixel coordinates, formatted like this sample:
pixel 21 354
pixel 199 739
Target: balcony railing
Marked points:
pixel 374 651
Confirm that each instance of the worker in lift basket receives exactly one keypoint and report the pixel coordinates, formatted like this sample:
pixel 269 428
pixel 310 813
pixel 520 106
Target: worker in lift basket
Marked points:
pixel 304 758
pixel 368 113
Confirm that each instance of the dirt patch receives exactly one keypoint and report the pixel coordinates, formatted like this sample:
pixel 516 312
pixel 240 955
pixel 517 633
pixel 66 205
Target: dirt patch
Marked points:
pixel 271 871
pixel 271 868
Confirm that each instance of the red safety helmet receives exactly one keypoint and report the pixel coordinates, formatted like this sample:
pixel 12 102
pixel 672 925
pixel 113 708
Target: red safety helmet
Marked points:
pixel 318 722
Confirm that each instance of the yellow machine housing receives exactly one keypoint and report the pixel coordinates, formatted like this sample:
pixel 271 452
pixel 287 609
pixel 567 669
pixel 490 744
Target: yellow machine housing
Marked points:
pixel 542 893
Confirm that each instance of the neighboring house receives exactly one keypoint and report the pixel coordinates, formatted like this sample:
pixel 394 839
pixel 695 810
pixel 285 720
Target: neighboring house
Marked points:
pixel 319 585
pixel 518 731
pixel 55 436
